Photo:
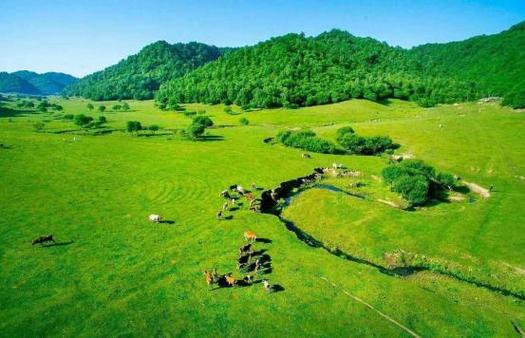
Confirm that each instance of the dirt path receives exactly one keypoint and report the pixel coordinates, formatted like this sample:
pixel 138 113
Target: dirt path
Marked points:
pixel 485 193
pixel 387 317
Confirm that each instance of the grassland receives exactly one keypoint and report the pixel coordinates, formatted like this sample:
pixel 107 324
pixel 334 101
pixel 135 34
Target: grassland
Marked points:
pixel 122 275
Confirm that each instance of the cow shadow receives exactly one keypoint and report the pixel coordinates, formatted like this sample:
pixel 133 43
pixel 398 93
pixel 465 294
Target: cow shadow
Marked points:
pixel 264 240
pixel 277 288
pixel 57 244
pixel 167 222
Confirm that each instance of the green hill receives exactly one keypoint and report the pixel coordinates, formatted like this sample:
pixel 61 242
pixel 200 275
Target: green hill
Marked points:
pixel 140 75
pixel 294 70
pixel 26 82
pixel 10 83
pixel 496 63
pixel 47 83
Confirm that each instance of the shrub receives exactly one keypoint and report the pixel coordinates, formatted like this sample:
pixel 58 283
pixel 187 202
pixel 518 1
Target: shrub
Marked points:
pixel 83 120
pixel 416 181
pixel 133 126
pixel 68 116
pixel 125 106
pixel 101 109
pixel 307 140
pixel 102 119
pixel 195 130
pixel 39 126
pixel 204 120
pixel 355 144
pixel 116 107
pixel 244 121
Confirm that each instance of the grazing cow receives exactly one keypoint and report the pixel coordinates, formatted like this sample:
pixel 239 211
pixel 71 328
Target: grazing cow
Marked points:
pixel 266 285
pixel 245 248
pixel 43 239
pixel 248 279
pixel 215 276
pixel 244 259
pixel 249 196
pixel 155 218
pixel 225 206
pixel 257 265
pixel 220 214
pixel 230 280
pixel 225 194
pixel 250 236
pixel 209 278
pixel 240 190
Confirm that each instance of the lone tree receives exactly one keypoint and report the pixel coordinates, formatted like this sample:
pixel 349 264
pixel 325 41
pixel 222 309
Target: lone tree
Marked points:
pixel 101 109
pixel 125 106
pixel 133 126
pixel 116 107
pixel 83 121
pixel 90 106
pixel 198 126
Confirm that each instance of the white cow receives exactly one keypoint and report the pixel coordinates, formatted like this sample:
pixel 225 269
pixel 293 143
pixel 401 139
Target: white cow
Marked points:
pixel 155 218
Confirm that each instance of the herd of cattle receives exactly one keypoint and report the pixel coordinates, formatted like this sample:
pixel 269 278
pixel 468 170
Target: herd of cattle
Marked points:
pixel 250 262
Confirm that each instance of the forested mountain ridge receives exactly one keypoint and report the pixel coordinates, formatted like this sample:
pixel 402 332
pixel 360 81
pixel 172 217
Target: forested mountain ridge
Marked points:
pixel 26 82
pixel 496 63
pixel 294 70
pixel 140 75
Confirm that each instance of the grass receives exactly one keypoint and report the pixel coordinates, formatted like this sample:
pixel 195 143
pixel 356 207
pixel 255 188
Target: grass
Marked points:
pixel 125 276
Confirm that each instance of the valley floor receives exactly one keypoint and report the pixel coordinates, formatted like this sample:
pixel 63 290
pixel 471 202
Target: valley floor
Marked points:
pixel 117 274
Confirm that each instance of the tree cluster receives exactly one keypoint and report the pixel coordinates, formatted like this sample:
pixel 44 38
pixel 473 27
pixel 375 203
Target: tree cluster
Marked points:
pixel 416 181
pixel 198 126
pixel 362 145
pixel 307 140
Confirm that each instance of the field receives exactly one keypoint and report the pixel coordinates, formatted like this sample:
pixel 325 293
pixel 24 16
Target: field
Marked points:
pixel 117 274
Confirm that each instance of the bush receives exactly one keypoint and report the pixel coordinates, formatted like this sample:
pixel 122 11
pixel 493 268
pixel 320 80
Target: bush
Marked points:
pixel 68 116
pixel 204 120
pixel 244 121
pixel 102 119
pixel 83 120
pixel 116 107
pixel 355 144
pixel 195 130
pixel 416 181
pixel 133 126
pixel 307 140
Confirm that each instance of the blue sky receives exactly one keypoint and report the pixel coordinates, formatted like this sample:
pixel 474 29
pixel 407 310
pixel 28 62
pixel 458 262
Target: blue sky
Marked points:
pixel 79 37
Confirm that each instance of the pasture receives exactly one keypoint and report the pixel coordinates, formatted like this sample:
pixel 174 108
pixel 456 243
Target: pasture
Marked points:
pixel 114 273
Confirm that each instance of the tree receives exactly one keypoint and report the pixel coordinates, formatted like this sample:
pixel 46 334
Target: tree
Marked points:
pixel 83 121
pixel 102 119
pixel 154 128
pixel 116 107
pixel 204 120
pixel 39 126
pixel 195 130
pixel 244 121
pixel 101 108
pixel 125 106
pixel 90 107
pixel 133 126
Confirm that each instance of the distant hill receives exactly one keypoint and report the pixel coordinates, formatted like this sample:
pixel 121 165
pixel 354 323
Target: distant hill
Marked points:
pixel 495 63
pixel 140 75
pixel 26 82
pixel 294 70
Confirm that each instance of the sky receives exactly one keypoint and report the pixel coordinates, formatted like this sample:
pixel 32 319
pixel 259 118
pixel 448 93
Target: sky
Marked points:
pixel 79 36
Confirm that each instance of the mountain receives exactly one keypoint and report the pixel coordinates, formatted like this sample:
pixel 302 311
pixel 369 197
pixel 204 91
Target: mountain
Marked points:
pixel 294 70
pixel 140 75
pixel 26 82
pixel 496 63
pixel 10 83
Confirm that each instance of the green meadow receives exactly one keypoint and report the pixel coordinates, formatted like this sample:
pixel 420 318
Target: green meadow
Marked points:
pixel 114 273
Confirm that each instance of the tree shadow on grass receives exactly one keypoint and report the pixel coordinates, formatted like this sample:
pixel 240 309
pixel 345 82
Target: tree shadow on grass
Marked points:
pixel 9 112
pixel 208 138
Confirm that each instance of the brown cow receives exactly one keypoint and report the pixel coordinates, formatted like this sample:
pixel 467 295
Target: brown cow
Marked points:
pixel 209 278
pixel 230 279
pixel 250 236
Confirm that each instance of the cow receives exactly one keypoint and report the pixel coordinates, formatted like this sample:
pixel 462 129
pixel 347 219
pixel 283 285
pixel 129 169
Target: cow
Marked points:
pixel 245 249
pixel 220 214
pixel 225 206
pixel 230 280
pixel 155 218
pixel 43 239
pixel 250 236
pixel 266 285
pixel 240 190
pixel 208 277
pixel 225 194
